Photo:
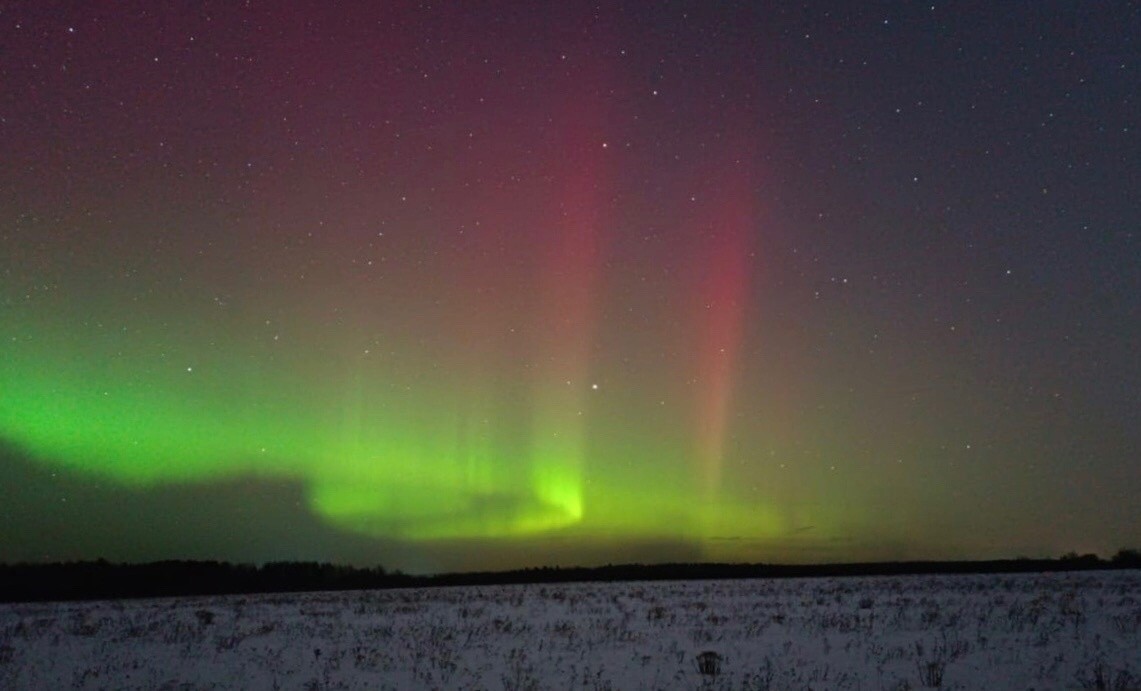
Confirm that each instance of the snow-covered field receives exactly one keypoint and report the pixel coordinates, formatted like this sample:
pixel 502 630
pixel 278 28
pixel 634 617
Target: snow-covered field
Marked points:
pixel 1035 631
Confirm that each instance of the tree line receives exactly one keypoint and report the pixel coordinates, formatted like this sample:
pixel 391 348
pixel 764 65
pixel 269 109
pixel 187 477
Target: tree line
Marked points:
pixel 85 580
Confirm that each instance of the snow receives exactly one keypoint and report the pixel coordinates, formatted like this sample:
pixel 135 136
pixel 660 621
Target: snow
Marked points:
pixel 1025 631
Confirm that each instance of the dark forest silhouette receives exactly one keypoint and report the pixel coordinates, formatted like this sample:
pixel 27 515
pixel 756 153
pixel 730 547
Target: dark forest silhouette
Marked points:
pixel 104 580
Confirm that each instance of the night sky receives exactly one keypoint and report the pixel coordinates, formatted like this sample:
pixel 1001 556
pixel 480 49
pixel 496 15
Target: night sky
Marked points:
pixel 502 284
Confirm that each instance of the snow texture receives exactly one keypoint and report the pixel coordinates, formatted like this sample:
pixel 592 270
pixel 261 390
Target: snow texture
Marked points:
pixel 1027 631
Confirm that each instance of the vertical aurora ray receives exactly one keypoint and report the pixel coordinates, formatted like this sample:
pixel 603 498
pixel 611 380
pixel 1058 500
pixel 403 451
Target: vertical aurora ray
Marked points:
pixel 723 297
pixel 568 315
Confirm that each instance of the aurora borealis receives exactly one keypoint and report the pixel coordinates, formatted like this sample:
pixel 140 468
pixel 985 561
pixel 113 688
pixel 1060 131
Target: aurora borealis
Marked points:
pixel 488 285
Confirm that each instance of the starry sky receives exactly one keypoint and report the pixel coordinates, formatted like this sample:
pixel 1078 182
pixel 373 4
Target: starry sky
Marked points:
pixel 502 284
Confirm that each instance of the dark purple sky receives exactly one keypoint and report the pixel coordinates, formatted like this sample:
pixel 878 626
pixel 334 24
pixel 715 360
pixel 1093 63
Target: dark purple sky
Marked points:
pixel 499 284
